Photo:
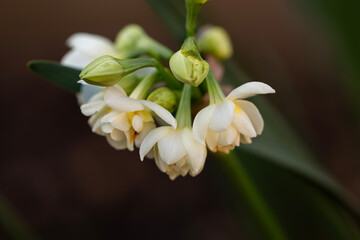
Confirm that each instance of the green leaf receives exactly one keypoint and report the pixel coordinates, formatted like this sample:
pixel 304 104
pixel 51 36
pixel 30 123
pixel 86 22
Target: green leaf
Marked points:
pixel 279 144
pixel 56 73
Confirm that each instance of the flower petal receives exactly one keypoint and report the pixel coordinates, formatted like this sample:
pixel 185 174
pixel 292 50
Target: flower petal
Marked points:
pixel 201 123
pixel 161 112
pixel 118 145
pixel 250 89
pixel 222 116
pixel 212 139
pixel 171 147
pixel 121 122
pixel 90 108
pixel 148 127
pixel 195 150
pixel 151 139
pixel 91 44
pixel 243 124
pixel 227 137
pixel 76 59
pixel 115 97
pixel 253 113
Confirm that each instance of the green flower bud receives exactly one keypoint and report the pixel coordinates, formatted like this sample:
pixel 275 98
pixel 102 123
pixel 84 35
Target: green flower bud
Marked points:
pixel 216 41
pixel 164 97
pixel 188 66
pixel 107 71
pixel 133 41
pixel 129 82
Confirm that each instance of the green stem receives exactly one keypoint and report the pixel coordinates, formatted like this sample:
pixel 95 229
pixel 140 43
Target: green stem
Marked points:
pixel 183 115
pixel 215 93
pixel 144 86
pixel 192 10
pixel 243 182
pixel 171 81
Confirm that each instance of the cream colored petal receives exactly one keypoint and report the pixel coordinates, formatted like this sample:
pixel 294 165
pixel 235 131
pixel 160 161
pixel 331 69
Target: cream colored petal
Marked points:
pixel 228 137
pixel 243 124
pixel 201 123
pixel 148 127
pixel 90 44
pixel 245 139
pixel 161 112
pixel 212 139
pixel 107 128
pixel 195 150
pixel 130 139
pixel 137 123
pixel 253 113
pixel 222 116
pixel 250 89
pixel 118 145
pixel 121 122
pixel 151 139
pixel 90 108
pixel 159 162
pixel 171 147
pixel 117 135
pixel 115 97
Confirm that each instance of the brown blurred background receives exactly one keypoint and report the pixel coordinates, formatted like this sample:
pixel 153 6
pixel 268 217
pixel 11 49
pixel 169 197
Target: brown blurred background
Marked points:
pixel 68 183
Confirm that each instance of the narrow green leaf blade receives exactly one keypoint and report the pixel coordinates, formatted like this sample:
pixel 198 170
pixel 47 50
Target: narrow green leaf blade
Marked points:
pixel 65 77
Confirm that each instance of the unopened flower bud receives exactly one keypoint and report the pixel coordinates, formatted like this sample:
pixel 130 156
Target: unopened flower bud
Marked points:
pixel 164 97
pixel 133 41
pixel 188 66
pixel 216 41
pixel 107 71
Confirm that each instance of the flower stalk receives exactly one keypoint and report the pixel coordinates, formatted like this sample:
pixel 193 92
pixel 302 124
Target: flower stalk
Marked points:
pixel 215 93
pixel 144 86
pixel 183 115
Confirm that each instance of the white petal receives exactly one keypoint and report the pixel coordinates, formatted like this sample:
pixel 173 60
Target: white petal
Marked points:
pixel 161 112
pixel 151 139
pixel 91 44
pixel 118 135
pixel 108 118
pixel 201 123
pixel 144 132
pixel 245 139
pixel 253 113
pixel 250 89
pixel 212 139
pixel 115 97
pixel 243 124
pixel 137 123
pixel 130 139
pixel 159 162
pixel 171 147
pixel 90 108
pixel 76 59
pixel 222 116
pixel 195 150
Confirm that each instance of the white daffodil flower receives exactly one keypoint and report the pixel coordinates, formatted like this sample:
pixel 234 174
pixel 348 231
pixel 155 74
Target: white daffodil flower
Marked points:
pixel 225 124
pixel 176 151
pixel 122 120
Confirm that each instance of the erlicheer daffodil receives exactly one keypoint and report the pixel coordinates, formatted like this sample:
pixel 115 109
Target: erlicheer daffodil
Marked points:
pixel 224 124
pixel 176 151
pixel 123 120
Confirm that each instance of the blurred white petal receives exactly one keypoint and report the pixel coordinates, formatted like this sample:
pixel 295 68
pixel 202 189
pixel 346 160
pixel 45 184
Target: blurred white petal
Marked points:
pixel 222 116
pixel 253 113
pixel 201 123
pixel 171 148
pixel 250 89
pixel 151 139
pixel 161 112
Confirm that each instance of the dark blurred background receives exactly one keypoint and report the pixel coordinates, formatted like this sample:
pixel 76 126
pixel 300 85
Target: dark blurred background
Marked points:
pixel 68 183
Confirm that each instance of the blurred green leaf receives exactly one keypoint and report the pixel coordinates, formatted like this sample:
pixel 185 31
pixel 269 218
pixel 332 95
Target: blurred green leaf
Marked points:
pixel 279 144
pixel 65 77
pixel 13 224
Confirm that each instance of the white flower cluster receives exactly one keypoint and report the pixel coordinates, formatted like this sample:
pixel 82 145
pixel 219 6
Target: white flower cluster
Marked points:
pixel 178 149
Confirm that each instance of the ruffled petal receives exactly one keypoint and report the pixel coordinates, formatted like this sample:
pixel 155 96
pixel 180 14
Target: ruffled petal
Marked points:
pixel 228 137
pixel 201 123
pixel 250 89
pixel 253 113
pixel 222 116
pixel 212 139
pixel 151 139
pixel 161 112
pixel 121 122
pixel 195 150
pixel 148 127
pixel 115 97
pixel 137 123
